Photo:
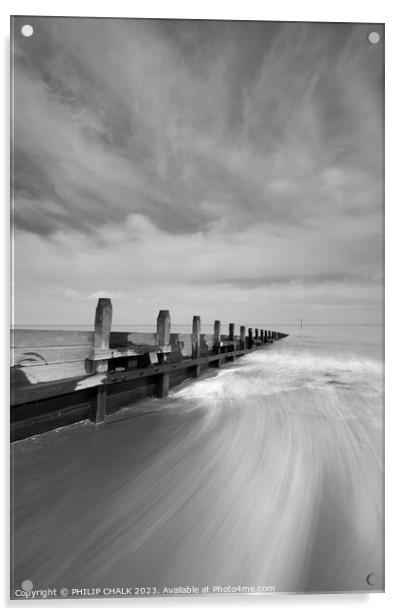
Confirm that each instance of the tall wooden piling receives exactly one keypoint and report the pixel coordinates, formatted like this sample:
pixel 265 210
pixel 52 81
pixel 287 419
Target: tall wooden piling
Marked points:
pixel 101 343
pixel 196 331
pixel 250 337
pixel 256 333
pixel 216 341
pixel 103 316
pixel 163 329
pixel 231 340
pixel 242 337
pixel 217 336
pixel 100 408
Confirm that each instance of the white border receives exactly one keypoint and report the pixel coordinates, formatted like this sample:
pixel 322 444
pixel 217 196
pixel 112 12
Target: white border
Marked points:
pixel 302 10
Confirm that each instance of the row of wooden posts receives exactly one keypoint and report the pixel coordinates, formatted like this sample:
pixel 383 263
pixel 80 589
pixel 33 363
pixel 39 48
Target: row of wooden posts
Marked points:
pixel 228 347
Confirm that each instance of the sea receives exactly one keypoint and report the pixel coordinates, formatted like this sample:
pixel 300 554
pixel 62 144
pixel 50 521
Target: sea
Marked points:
pixel 264 476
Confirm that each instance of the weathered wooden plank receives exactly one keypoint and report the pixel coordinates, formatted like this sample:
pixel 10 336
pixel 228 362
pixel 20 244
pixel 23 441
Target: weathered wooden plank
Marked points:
pixel 34 338
pixel 43 356
pixel 132 339
pixel 53 389
pixel 21 376
pixel 116 353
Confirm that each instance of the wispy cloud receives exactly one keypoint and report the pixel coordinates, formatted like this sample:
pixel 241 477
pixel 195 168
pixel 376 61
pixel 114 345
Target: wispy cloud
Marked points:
pixel 197 153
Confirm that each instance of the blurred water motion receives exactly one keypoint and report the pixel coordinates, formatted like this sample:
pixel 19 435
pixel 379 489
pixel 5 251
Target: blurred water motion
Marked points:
pixel 269 472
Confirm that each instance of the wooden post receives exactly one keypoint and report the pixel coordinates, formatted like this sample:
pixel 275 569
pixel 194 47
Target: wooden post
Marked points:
pixel 217 336
pixel 163 328
pixel 216 342
pixel 231 339
pixel 250 335
pixel 265 336
pixel 196 330
pixel 103 316
pixel 99 411
pixel 256 333
pixel 242 336
pixel 101 343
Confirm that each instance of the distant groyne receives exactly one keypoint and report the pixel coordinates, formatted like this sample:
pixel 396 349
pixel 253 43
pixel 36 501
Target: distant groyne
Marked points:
pixel 61 377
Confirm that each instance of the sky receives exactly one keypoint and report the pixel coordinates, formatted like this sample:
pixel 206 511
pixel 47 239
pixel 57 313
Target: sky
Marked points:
pixel 232 170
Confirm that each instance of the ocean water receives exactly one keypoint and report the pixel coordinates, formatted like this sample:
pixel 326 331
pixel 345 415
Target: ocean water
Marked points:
pixel 266 473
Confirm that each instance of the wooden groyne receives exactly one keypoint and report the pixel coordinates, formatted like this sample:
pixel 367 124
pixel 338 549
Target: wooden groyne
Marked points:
pixel 61 377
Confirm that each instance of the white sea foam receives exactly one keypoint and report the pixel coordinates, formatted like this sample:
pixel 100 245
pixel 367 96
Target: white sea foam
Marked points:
pixel 267 372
